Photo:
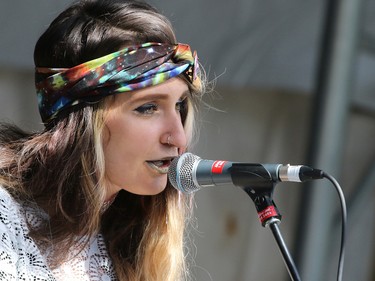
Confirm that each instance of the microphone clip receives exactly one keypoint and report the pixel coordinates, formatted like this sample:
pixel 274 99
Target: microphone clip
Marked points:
pixel 259 184
pixel 264 204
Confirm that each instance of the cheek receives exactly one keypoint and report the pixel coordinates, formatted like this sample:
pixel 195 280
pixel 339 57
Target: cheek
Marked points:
pixel 105 136
pixel 115 138
pixel 123 139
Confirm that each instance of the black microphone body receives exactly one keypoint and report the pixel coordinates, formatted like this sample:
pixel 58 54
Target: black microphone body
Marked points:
pixel 212 173
pixel 188 173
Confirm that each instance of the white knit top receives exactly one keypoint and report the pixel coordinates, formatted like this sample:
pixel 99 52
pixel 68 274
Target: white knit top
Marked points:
pixel 21 260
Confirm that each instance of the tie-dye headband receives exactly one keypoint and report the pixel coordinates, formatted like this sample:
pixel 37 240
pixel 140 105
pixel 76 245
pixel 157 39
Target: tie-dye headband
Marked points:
pixel 135 67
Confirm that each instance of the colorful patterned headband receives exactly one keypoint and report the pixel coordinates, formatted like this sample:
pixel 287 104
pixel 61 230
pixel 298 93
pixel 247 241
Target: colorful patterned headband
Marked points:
pixel 135 67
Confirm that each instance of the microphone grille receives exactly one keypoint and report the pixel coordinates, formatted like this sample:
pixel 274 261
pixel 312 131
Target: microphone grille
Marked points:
pixel 181 173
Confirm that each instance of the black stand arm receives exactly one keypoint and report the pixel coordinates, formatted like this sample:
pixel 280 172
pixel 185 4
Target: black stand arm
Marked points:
pixel 292 269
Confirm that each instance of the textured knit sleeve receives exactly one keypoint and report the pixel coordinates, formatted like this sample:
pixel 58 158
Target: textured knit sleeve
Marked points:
pixel 20 258
pixel 8 235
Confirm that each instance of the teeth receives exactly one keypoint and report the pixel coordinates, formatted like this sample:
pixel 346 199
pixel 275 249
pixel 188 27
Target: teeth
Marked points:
pixel 158 163
pixel 159 166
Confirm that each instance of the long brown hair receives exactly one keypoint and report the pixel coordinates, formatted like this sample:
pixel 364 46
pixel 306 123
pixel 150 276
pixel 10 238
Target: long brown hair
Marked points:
pixel 62 168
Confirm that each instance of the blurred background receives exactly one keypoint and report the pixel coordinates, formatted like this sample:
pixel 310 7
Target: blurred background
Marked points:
pixel 294 83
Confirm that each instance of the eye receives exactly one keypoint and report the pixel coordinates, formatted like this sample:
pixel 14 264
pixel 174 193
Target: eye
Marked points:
pixel 181 106
pixel 147 109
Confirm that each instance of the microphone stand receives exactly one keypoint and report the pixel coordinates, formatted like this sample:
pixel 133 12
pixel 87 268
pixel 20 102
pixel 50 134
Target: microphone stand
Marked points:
pixel 270 216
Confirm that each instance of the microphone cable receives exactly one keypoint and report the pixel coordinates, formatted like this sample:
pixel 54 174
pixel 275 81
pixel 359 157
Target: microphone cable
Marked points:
pixel 343 223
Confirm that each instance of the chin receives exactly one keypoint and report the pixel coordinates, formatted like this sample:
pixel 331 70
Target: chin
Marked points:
pixel 149 192
pixel 157 189
pixel 151 188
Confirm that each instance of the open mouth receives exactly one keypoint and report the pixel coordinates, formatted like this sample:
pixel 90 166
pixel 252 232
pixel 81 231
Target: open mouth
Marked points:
pixel 161 166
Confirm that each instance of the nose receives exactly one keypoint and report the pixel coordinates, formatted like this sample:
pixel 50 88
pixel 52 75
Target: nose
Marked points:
pixel 174 134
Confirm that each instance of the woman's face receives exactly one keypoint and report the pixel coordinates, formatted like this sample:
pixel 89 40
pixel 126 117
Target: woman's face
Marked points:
pixel 138 127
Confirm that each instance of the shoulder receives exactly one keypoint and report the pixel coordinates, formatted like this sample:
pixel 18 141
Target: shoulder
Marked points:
pixel 15 217
pixel 12 225
pixel 10 231
pixel 4 194
pixel 9 210
pixel 20 258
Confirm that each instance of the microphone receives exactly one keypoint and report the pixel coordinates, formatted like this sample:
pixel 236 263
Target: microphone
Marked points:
pixel 189 173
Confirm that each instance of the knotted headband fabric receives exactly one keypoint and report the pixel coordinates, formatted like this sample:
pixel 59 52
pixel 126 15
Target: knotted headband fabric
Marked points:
pixel 132 68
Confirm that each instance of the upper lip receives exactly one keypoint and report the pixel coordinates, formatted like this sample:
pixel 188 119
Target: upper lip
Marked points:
pixel 168 158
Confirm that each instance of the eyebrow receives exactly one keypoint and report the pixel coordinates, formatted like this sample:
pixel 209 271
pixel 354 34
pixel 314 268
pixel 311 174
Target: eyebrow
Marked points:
pixel 157 96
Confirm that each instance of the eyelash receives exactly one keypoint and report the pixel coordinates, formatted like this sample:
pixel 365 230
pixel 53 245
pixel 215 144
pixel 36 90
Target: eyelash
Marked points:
pixel 150 108
pixel 147 109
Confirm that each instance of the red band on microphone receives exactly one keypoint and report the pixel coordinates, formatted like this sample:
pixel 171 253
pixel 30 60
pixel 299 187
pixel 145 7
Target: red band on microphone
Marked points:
pixel 217 167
